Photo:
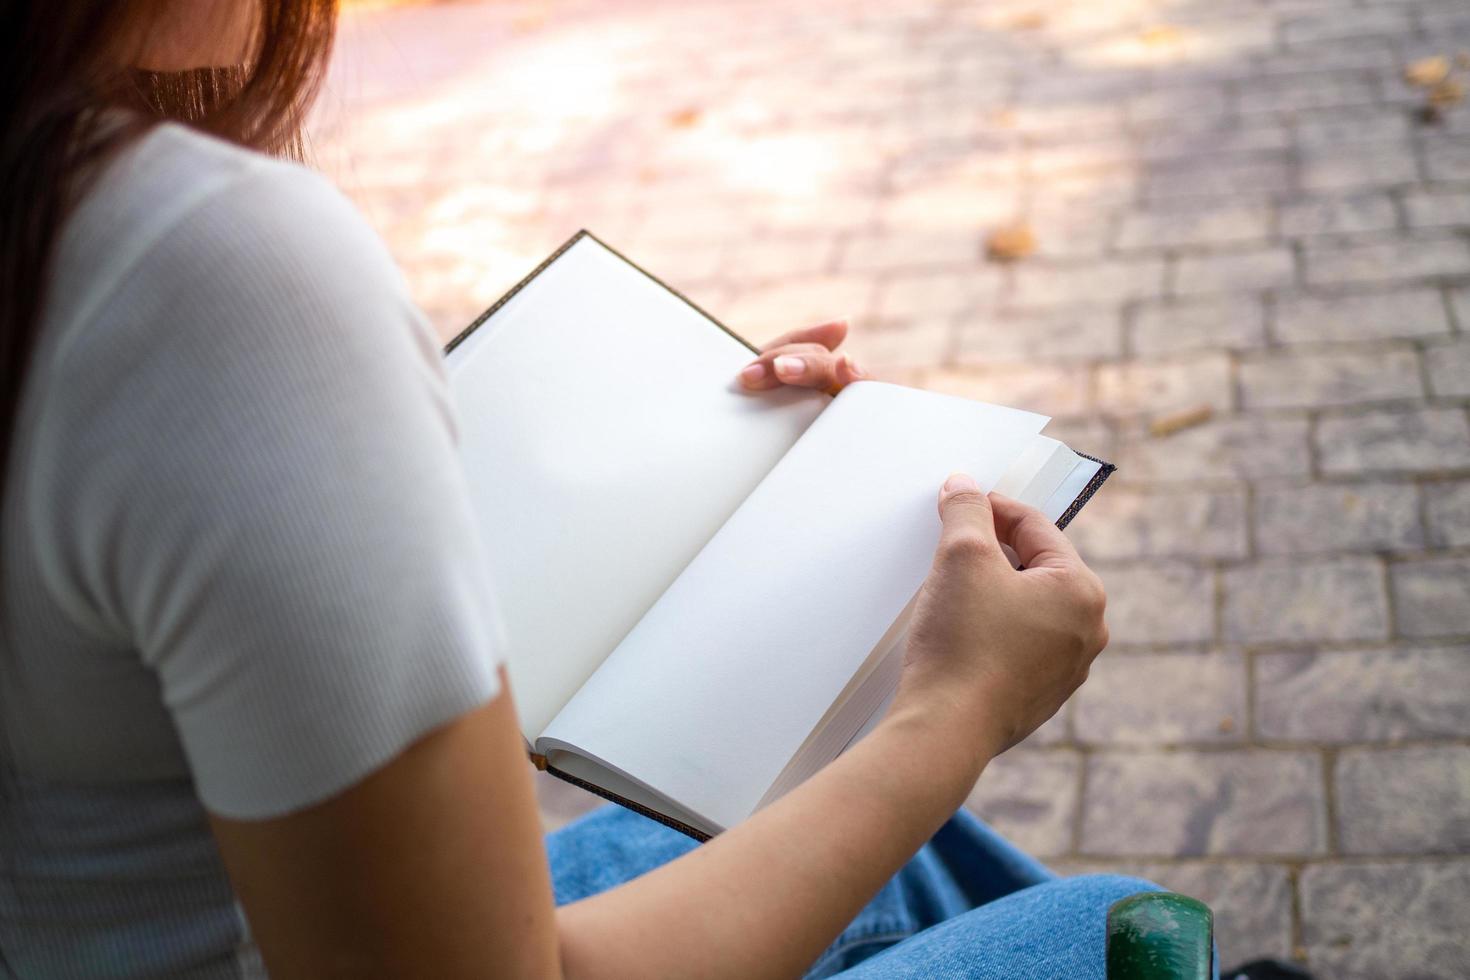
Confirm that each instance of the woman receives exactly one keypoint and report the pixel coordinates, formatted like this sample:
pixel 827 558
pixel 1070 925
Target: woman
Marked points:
pixel 245 664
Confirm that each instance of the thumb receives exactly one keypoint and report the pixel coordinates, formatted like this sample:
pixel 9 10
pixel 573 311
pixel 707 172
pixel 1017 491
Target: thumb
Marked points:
pixel 969 522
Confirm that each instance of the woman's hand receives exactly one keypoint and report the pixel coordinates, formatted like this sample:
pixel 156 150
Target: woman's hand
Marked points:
pixel 808 358
pixel 1001 649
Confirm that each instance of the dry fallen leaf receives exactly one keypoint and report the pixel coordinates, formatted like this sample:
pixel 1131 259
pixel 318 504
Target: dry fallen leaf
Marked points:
pixel 1428 72
pixel 1447 93
pixel 685 117
pixel 1227 725
pixel 1462 59
pixel 1031 21
pixel 1161 35
pixel 1186 418
pixel 1011 243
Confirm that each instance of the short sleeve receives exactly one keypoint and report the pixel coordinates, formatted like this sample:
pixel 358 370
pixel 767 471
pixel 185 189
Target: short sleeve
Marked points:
pixel 257 487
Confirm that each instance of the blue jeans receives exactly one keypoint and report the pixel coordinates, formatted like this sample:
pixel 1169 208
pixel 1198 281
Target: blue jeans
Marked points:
pixel 969 904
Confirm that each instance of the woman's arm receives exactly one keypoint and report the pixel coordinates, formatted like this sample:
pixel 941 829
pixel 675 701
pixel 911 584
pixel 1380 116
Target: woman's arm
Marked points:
pixel 433 866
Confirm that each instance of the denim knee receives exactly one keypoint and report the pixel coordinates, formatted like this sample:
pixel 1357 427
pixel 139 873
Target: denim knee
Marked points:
pixel 1104 884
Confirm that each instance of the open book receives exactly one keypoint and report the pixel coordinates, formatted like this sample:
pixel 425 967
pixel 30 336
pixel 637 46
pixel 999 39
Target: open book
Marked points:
pixel 703 591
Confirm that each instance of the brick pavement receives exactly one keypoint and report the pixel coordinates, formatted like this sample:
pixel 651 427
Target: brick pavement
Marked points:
pixel 1236 207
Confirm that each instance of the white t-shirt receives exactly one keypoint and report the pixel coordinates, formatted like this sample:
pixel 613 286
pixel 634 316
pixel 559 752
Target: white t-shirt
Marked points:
pixel 239 563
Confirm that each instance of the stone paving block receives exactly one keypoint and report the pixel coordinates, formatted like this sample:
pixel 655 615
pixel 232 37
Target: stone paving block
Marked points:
pixel 949 206
pixel 1063 233
pixel 1093 436
pixel 1250 901
pixel 1449 368
pixel 1192 697
pixel 1164 385
pixel 1176 327
pixel 868 252
pixel 1337 215
pixel 678 264
pixel 1083 334
pixel 1092 190
pixel 1335 127
pixel 1057 391
pixel 1223 176
pixel 1054 731
pixel 1404 801
pixel 1192 804
pixel 1130 523
pixel 1431 596
pixel 1423 440
pixel 1233 447
pixel 1460 303
pixel 1330 517
pixel 1226 37
pixel 832 212
pixel 1289 93
pixel 1368 165
pixel 1305 601
pixel 1377 695
pixel 1234 272
pixel 1309 380
pixel 1030 796
pixel 1159 603
pixel 1172 103
pixel 1110 153
pixel 1447 157
pixel 1067 117
pixel 1329 262
pixel 923 161
pixel 1340 24
pixel 887 350
pixel 763 312
pixel 1375 919
pixel 1447 513
pixel 780 258
pixel 1161 146
pixel 929 295
pixel 1440 17
pixel 1112 281
pixel 678 223
pixel 1436 208
pixel 1169 227
pixel 1304 319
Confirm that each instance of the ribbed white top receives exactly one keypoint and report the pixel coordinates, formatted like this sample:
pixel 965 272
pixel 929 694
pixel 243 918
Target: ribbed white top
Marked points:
pixel 240 566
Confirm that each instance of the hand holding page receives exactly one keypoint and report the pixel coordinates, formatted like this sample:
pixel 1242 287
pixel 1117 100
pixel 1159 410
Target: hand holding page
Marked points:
pixel 704 591
pixel 741 657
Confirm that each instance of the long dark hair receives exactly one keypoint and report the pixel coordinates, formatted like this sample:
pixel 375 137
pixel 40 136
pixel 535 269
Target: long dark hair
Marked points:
pixel 65 71
pixel 70 99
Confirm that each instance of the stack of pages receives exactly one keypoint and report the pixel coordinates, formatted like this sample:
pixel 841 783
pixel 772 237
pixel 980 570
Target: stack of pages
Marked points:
pixel 704 591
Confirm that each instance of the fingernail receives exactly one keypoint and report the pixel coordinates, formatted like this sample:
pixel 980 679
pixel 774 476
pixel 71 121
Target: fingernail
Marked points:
pixel 791 367
pixel 752 373
pixel 958 482
pixel 854 368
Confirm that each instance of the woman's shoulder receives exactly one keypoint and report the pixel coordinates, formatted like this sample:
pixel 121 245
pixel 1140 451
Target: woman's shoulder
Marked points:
pixel 182 210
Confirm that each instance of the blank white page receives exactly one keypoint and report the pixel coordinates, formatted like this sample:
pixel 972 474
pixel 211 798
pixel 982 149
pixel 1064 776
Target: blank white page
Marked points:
pixel 605 441
pixel 715 689
pixel 1071 487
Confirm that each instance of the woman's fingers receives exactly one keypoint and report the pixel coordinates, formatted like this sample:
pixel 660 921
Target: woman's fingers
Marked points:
pixel 1037 541
pixel 807 357
pixel 829 335
pixel 808 365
